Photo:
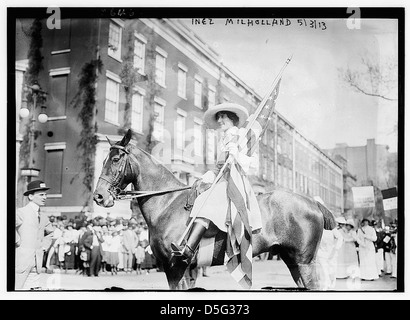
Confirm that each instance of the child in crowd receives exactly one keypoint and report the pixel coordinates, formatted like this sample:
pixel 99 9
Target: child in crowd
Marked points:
pixel 139 257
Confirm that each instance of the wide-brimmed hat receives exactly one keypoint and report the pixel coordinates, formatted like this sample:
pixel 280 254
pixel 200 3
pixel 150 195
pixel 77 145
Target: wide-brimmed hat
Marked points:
pixel 240 111
pixel 341 220
pixel 350 222
pixel 34 186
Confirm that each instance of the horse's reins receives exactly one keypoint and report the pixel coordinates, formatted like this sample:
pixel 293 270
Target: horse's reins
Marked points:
pixel 125 195
pixel 119 194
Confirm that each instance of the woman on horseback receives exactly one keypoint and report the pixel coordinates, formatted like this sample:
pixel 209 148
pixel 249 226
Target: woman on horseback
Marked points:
pixel 214 209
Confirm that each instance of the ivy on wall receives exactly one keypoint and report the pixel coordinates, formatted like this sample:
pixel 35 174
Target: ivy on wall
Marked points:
pixel 86 99
pixel 35 65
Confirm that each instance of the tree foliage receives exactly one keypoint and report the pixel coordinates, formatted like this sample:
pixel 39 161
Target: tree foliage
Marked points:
pixel 373 78
pixel 153 91
pixel 129 77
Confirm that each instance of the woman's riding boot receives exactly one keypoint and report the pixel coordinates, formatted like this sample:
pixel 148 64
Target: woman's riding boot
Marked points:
pixel 192 243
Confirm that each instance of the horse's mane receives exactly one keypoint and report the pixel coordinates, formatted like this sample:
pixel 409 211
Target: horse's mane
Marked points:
pixel 153 159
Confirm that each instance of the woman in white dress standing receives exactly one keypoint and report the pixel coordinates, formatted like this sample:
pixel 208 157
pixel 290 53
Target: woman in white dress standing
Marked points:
pixel 348 263
pixel 366 235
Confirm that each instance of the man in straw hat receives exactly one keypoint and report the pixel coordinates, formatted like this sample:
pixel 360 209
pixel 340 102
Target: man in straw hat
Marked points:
pixel 211 210
pixel 30 229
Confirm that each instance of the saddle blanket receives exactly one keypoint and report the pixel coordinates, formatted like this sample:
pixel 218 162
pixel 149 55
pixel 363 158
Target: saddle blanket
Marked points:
pixel 212 251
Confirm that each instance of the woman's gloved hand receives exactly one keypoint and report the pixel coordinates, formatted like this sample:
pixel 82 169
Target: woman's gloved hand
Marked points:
pixel 233 149
pixel 208 177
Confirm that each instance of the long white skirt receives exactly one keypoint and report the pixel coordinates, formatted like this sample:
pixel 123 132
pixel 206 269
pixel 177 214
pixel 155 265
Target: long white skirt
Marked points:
pixel 368 266
pixel 213 205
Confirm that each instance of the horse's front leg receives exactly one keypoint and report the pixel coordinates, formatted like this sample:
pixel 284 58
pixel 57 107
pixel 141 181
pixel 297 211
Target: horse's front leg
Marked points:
pixel 178 276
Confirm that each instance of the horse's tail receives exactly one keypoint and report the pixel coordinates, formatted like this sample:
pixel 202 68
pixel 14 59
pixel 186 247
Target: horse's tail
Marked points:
pixel 330 222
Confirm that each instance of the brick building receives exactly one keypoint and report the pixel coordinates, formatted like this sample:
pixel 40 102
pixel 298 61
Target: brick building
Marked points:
pixel 178 77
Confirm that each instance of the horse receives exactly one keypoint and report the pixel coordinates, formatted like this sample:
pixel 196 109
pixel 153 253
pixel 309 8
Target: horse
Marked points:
pixel 292 224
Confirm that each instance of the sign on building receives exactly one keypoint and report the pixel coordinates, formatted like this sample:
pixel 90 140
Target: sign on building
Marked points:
pixel 363 197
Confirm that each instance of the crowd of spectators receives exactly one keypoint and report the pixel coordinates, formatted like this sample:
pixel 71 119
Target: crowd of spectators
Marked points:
pixel 366 251
pixel 98 245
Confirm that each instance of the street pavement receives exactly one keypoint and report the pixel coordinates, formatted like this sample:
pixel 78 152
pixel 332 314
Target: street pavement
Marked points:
pixel 268 275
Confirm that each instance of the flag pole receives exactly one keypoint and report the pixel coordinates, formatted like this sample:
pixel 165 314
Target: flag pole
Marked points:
pixel 230 158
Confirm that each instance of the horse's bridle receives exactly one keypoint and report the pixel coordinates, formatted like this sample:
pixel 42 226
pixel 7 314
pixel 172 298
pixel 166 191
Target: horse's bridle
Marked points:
pixel 119 194
pixel 114 183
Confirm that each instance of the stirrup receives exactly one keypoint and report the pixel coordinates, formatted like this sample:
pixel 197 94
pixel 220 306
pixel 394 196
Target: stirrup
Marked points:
pixel 186 253
pixel 176 250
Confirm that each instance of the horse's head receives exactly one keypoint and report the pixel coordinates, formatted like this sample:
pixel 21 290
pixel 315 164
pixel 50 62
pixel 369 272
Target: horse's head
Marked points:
pixel 116 174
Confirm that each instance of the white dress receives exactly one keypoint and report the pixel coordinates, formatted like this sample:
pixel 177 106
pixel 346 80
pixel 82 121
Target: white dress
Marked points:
pixel 327 258
pixel 348 263
pixel 367 253
pixel 213 204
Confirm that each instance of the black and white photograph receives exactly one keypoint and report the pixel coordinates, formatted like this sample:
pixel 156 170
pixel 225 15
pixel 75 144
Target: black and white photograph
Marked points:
pixel 205 150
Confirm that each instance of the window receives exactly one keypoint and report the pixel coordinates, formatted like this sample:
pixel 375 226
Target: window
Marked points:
pixel 304 184
pixel 198 92
pixel 115 38
pixel 58 92
pixel 112 101
pixel 265 138
pixel 136 112
pixel 160 66
pixel 211 96
pixel 290 150
pixel 272 140
pixel 198 137
pixel 290 179
pixel 279 146
pixel 53 172
pixel 296 180
pixel 182 71
pixel 280 175
pixel 61 37
pixel 269 170
pixel 285 177
pixel 265 167
pixel 139 53
pixel 284 147
pixel 159 106
pixel 210 148
pixel 180 129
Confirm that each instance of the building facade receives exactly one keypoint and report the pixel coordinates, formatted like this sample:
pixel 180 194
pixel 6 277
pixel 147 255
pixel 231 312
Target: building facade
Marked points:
pixel 369 163
pixel 158 78
pixel 349 181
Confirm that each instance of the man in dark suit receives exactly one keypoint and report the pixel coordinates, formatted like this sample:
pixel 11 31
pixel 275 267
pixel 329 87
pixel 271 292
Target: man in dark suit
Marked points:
pixel 86 244
pixel 30 229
